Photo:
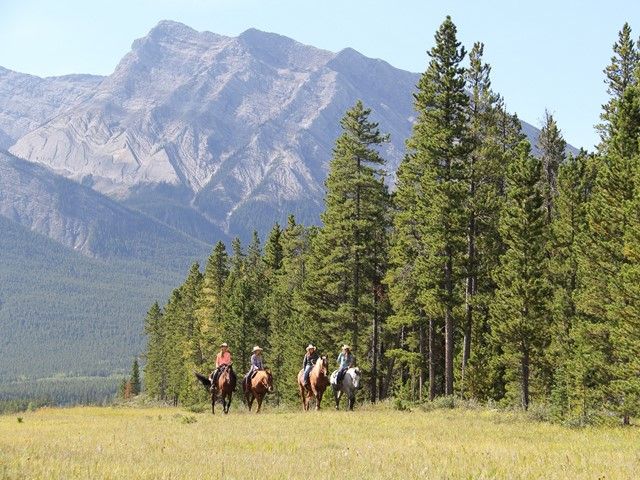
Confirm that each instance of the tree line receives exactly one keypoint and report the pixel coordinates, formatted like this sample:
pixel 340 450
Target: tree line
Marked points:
pixel 489 273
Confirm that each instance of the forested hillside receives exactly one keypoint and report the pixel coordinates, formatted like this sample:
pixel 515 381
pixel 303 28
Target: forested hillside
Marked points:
pixel 489 273
pixel 63 312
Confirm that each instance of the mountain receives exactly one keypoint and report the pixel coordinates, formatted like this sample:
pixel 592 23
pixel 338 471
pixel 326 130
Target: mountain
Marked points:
pixel 205 132
pixel 114 185
pixel 28 101
pixel 86 221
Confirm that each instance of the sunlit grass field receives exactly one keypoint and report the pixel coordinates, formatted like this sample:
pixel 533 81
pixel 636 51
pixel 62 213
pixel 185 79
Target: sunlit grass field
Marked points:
pixel 170 443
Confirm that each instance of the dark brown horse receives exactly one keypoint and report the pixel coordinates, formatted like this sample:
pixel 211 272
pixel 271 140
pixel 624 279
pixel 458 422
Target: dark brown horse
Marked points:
pixel 258 387
pixel 318 383
pixel 226 384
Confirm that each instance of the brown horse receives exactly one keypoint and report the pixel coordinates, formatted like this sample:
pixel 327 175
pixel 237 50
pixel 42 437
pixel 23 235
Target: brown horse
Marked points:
pixel 258 387
pixel 226 384
pixel 318 383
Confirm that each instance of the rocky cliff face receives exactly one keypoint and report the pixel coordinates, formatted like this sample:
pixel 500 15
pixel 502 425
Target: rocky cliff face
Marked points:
pixel 26 101
pixel 207 132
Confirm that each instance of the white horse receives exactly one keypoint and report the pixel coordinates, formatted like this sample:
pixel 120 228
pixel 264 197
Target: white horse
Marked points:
pixel 349 385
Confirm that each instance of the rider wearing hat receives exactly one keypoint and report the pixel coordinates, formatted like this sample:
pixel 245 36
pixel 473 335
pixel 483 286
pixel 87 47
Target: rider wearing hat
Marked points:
pixel 346 360
pixel 308 362
pixel 223 360
pixel 256 364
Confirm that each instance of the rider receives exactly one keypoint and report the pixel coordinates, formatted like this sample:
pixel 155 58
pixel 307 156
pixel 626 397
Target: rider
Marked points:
pixel 223 360
pixel 346 360
pixel 256 364
pixel 308 362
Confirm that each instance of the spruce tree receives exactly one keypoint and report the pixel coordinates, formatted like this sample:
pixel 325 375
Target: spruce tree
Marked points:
pixel 519 314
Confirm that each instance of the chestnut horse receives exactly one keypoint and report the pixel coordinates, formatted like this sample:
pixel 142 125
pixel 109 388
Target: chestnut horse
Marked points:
pixel 226 385
pixel 258 387
pixel 318 383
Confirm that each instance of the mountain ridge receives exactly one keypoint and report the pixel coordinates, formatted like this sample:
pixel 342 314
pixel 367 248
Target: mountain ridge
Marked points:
pixel 230 125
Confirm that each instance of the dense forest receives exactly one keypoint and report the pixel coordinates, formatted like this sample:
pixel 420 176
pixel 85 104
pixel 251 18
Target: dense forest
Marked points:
pixel 488 273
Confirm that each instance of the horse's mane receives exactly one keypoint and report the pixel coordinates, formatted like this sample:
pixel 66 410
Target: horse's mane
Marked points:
pixel 320 363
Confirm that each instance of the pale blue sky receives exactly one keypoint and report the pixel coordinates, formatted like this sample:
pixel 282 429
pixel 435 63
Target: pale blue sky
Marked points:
pixel 545 54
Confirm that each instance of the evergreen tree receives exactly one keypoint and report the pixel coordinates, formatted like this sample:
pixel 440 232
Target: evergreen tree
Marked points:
pixel 440 144
pixel 288 333
pixel 552 153
pixel 344 290
pixel 606 263
pixel 246 318
pixel 566 352
pixel 156 367
pixel 136 384
pixel 519 314
pixel 210 302
pixel 619 75
pixel 273 249
pixel 484 175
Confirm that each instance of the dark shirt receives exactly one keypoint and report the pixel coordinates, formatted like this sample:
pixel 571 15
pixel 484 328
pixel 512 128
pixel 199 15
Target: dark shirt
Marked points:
pixel 310 359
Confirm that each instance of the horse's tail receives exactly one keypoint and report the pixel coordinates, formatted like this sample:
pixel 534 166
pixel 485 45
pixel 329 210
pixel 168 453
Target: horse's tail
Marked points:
pixel 203 379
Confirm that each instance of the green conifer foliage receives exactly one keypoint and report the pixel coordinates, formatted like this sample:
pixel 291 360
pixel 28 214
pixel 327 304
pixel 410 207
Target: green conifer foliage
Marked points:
pixel 520 322
pixel 344 292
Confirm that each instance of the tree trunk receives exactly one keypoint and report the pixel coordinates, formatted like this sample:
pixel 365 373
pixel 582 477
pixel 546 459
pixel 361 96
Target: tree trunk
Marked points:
pixel 448 327
pixel 525 378
pixel 432 359
pixel 421 352
pixel 374 346
pixel 470 292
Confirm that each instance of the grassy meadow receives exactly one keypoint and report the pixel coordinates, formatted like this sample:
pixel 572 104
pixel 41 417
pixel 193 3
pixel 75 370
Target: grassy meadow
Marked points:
pixel 171 443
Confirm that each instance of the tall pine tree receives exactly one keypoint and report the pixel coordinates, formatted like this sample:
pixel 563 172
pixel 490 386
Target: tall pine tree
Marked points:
pixel 344 288
pixel 519 314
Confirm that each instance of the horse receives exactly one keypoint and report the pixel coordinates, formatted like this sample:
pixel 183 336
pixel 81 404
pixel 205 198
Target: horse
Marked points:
pixel 226 385
pixel 257 387
pixel 349 385
pixel 318 383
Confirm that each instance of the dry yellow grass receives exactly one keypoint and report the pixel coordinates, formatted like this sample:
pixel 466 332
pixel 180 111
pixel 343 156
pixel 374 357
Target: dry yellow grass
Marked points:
pixel 165 443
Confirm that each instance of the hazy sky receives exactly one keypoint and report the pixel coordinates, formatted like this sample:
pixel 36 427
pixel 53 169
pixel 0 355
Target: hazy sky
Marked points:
pixel 545 54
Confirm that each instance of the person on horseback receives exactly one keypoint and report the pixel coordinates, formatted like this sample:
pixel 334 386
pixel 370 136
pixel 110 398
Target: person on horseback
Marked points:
pixel 223 361
pixel 346 360
pixel 308 362
pixel 256 365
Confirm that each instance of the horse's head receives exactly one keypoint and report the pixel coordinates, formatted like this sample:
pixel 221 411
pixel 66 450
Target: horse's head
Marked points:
pixel 355 377
pixel 269 380
pixel 325 364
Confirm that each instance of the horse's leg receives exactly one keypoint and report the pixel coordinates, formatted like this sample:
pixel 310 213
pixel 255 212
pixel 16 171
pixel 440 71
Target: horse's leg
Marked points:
pixel 259 399
pixel 352 401
pixel 213 402
pixel 302 395
pixel 318 400
pixel 250 401
pixel 337 394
